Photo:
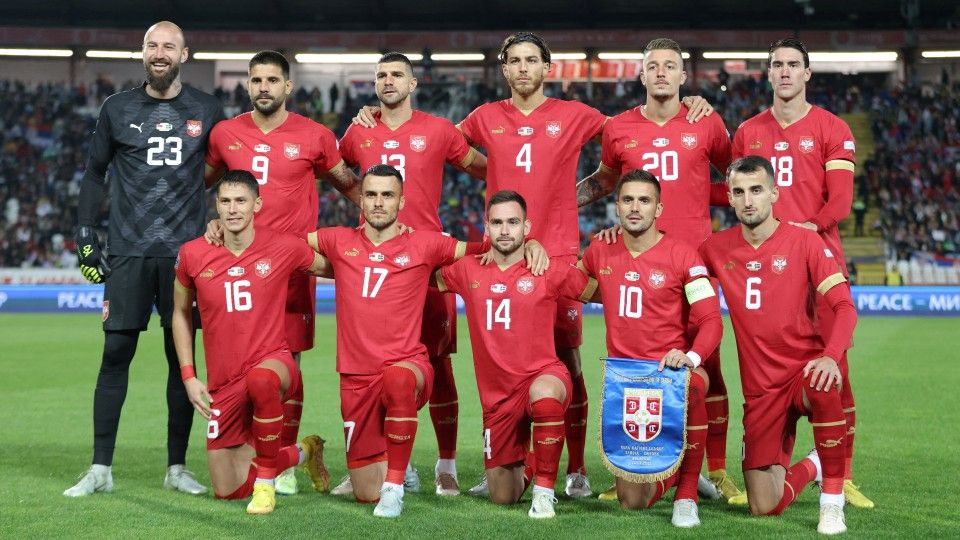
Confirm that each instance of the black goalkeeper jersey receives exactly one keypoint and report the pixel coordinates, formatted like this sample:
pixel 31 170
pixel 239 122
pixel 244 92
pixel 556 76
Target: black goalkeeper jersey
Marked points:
pixel 155 149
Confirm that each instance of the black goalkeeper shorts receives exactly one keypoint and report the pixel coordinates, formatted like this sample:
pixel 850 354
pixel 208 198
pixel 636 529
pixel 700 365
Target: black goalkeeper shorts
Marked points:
pixel 135 286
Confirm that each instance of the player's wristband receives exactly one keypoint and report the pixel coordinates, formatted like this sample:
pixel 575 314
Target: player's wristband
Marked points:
pixel 695 358
pixel 187 372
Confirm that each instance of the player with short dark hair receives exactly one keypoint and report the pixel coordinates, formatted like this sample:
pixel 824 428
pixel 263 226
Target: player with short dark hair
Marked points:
pixel 813 157
pixel 153 140
pixel 519 377
pixel 770 271
pixel 290 155
pixel 385 374
pixel 656 137
pixel 654 285
pixel 241 290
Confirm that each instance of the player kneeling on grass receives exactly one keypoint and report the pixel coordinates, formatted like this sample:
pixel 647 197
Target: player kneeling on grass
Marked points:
pixel 655 286
pixel 241 289
pixel 770 272
pixel 510 311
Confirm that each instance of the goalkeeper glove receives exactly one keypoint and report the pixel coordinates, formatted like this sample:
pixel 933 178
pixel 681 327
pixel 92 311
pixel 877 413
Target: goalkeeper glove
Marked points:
pixel 93 263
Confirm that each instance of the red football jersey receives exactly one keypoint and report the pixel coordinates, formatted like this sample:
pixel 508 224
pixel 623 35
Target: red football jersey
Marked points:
pixel 418 149
pixel 536 155
pixel 679 154
pixel 285 161
pixel 380 293
pixel 799 154
pixel 770 294
pixel 241 298
pixel 644 295
pixel 510 313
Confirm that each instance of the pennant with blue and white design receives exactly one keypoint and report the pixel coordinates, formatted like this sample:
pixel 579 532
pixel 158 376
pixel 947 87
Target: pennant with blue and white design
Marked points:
pixel 643 419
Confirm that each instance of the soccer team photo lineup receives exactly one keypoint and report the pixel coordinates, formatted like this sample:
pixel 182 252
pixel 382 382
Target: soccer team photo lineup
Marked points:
pixel 653 226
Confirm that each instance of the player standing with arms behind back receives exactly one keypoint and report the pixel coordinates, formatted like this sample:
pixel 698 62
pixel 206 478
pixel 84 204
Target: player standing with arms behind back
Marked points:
pixel 812 153
pixel 154 137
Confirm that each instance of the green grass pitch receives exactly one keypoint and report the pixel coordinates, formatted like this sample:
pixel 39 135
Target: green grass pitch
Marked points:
pixel 904 372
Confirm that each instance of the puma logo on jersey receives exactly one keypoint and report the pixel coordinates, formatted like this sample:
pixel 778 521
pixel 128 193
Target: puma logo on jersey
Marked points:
pixel 138 128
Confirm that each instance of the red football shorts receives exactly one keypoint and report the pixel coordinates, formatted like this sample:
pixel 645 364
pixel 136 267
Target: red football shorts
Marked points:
pixel 299 319
pixel 363 412
pixel 439 330
pixel 229 425
pixel 568 327
pixel 770 425
pixel 506 426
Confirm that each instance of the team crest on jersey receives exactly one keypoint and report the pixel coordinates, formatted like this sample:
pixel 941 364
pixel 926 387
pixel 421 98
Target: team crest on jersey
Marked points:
pixel 402 259
pixel 632 276
pixel 753 266
pixel 631 144
pixel 779 263
pixel 525 131
pixel 553 128
pixel 235 146
pixel 642 413
pixel 418 143
pixel 688 140
pixel 391 144
pixel 262 267
pixel 657 278
pixel 194 128
pixel 606 271
pixel 261 148
pixel 780 146
pixel 291 150
pixel 572 314
pixel 164 126
pixel 376 257
pixel 106 310
pixel 660 142
pixel 806 144
pixel 525 285
pixel 236 271
pixel 207 274
pixel 498 288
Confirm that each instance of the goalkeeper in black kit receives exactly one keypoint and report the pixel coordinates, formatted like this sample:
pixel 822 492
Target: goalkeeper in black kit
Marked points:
pixel 153 140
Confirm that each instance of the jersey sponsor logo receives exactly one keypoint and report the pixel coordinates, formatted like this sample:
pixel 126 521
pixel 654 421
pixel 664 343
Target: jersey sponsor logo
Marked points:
pixel 779 263
pixel 418 143
pixel 391 144
pixel 698 270
pixel 849 145
pixel 632 276
pixel 525 131
pixel 262 148
pixel 262 267
pixel 828 253
pixel 525 285
pixel 194 128
pixel 660 142
pixel 237 145
pixel 780 146
pixel 236 271
pixel 688 140
pixel 631 144
pixel 499 130
pixel 376 257
pixel 138 128
pixel 106 310
pixel 553 128
pixel 806 144
pixel 402 259
pixel 642 413
pixel 753 266
pixel 498 288
pixel 207 274
pixel 606 271
pixel 572 315
pixel 291 150
pixel 657 278
pixel 164 126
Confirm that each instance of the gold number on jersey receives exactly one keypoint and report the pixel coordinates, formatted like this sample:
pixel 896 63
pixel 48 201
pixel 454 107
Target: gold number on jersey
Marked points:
pixel 783 169
pixel 525 158
pixel 260 166
pixel 664 165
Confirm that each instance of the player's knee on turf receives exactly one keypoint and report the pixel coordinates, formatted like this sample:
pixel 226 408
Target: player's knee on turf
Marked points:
pixel 368 479
pixel 764 489
pixel 635 496
pixel 506 484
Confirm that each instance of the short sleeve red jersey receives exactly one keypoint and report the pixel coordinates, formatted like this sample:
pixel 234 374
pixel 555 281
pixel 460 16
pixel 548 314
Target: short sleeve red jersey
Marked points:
pixel 644 295
pixel 286 163
pixel 418 149
pixel 510 312
pixel 799 154
pixel 241 298
pixel 536 155
pixel 770 291
pixel 380 293
pixel 679 154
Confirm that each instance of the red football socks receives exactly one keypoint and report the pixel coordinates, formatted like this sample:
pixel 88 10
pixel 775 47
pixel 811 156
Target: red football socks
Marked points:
pixel 444 408
pixel 829 430
pixel 263 387
pixel 400 424
pixel 292 411
pixel 548 428
pixel 576 427
pixel 689 471
pixel 798 476
pixel 718 411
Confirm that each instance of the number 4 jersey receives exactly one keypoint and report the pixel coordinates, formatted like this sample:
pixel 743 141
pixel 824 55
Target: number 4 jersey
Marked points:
pixel 241 298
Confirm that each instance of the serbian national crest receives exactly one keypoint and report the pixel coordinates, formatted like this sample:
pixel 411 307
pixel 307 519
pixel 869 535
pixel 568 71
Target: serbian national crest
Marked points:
pixel 572 314
pixel 525 285
pixel 194 128
pixel 553 128
pixel 806 144
pixel 642 413
pixel 402 259
pixel 262 267
pixel 657 278
pixel 688 140
pixel 779 263
pixel 418 143
pixel 291 150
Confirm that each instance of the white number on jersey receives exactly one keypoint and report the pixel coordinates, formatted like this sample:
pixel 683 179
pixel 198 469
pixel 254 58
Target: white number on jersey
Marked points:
pixel 213 426
pixel 159 145
pixel 665 165
pixel 631 302
pixel 500 315
pixel 525 158
pixel 487 450
pixel 348 427
pixel 783 169
pixel 381 274
pixel 237 298
pixel 260 167
pixel 398 161
pixel 753 293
